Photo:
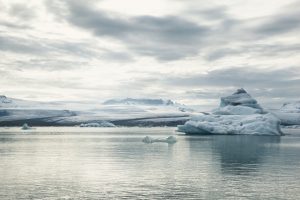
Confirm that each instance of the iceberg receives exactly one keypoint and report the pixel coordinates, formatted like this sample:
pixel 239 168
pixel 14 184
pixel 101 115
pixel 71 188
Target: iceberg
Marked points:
pixel 238 113
pixel 289 114
pixel 169 140
pixel 256 124
pixel 291 107
pixel 95 124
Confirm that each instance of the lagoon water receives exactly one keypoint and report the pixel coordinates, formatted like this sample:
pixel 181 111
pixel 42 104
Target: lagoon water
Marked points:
pixel 113 163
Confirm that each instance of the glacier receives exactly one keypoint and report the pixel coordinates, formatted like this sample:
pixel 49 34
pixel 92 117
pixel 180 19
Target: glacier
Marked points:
pixel 238 113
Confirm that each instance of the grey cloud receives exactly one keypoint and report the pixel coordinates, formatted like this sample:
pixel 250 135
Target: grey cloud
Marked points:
pixel 212 13
pixel 35 46
pixel 257 50
pixel 263 83
pixel 272 87
pixel 280 25
pixel 165 38
pixel 14 25
pixel 117 56
pixel 20 45
pixel 173 37
pixel 285 21
pixel 48 50
pixel 48 64
pixel 22 11
pixel 240 77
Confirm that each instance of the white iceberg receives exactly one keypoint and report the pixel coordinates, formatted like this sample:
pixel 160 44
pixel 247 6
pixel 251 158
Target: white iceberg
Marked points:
pixel 238 113
pixel 256 124
pixel 291 107
pixel 95 124
pixel 169 140
pixel 289 114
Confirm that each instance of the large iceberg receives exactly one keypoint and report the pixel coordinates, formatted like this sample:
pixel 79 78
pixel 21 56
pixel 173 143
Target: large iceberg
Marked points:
pixel 238 113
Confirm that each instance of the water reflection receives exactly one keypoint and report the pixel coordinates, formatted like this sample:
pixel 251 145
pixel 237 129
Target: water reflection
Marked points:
pixel 243 154
pixel 237 154
pixel 120 166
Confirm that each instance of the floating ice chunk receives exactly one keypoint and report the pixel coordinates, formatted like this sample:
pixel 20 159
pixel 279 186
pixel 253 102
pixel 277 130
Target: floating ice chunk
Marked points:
pixel 101 124
pixel 148 140
pixel 25 127
pixel 169 140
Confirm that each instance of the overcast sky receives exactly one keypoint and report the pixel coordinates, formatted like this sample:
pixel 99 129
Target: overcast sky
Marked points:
pixel 191 51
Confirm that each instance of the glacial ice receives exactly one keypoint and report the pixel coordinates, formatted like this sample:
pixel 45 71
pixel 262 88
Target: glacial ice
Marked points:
pixel 255 124
pixel 26 127
pixel 96 124
pixel 169 140
pixel 289 114
pixel 291 107
pixel 238 113
pixel 239 103
pixel 236 110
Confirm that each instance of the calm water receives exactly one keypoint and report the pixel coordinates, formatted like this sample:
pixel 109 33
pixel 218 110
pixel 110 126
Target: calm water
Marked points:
pixel 103 163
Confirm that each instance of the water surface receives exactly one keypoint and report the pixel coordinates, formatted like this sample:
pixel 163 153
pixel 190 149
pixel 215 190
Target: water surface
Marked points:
pixel 113 163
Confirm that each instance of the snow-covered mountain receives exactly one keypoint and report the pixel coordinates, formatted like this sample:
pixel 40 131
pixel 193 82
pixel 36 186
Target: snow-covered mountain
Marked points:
pixel 9 103
pixel 125 112
pixel 148 102
pixel 142 101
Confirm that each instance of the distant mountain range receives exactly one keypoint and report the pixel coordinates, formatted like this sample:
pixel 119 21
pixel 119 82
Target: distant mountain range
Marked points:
pixel 124 112
pixel 120 112
pixel 132 101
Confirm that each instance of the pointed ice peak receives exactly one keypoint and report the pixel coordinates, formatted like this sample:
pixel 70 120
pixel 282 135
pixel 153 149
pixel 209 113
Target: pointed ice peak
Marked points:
pixel 240 98
pixel 240 91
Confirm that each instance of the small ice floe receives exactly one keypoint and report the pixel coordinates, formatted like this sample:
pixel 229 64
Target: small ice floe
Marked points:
pixel 26 127
pixel 169 140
